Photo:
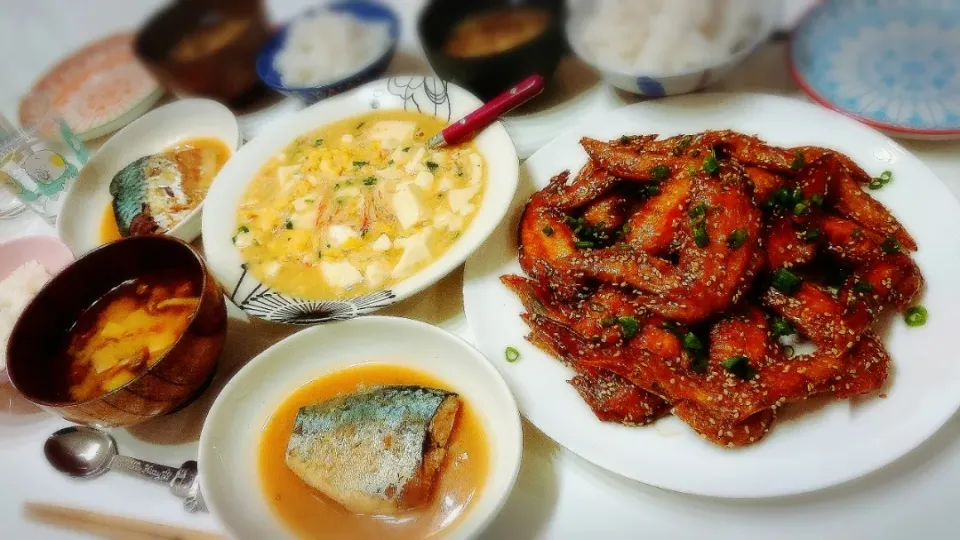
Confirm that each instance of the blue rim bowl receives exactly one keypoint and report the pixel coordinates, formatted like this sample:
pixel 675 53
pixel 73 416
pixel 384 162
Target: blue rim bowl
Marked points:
pixel 365 10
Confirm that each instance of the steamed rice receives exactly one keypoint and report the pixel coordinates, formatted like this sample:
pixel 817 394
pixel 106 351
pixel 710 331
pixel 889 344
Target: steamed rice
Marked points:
pixel 667 36
pixel 16 291
pixel 328 46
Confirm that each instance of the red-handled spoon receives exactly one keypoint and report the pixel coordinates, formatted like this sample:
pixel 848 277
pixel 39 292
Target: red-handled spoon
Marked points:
pixel 489 112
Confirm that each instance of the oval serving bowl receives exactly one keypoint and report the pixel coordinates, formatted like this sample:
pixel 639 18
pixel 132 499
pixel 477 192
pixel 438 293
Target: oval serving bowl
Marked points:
pixel 78 223
pixel 231 434
pixel 425 94
pixel 33 354
pixel 364 10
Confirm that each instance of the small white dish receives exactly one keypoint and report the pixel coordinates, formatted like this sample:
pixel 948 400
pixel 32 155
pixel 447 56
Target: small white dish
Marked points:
pixel 425 94
pixel 81 215
pixel 654 85
pixel 229 443
pixel 830 443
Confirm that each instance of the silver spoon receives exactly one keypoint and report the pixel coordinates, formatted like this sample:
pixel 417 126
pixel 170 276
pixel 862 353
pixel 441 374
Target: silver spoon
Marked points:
pixel 85 452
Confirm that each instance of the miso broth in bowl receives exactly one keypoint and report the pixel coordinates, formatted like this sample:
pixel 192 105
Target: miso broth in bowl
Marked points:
pixel 343 208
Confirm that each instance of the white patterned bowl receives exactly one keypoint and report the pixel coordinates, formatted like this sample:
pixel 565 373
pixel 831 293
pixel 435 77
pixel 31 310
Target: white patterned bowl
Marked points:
pixel 425 94
pixel 891 64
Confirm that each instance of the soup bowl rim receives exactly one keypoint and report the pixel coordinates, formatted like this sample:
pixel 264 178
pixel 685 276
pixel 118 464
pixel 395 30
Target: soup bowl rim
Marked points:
pixel 63 274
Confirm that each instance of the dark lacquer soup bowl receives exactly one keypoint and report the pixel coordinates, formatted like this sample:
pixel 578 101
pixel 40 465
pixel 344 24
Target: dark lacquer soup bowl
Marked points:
pixel 41 371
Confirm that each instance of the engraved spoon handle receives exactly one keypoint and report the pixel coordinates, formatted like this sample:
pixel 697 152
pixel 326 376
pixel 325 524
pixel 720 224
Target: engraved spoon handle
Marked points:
pixel 152 471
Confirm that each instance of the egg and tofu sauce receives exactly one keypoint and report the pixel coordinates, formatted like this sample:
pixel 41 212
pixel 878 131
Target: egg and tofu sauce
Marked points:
pixel 357 206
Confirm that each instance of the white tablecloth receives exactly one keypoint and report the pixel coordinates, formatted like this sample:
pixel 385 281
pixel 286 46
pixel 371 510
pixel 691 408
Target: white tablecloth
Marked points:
pixel 558 495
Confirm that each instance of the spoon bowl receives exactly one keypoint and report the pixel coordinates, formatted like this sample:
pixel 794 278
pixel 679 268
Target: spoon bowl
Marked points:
pixel 80 451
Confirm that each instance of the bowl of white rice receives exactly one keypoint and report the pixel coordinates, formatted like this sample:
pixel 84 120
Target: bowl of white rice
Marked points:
pixel 330 49
pixel 26 265
pixel 659 48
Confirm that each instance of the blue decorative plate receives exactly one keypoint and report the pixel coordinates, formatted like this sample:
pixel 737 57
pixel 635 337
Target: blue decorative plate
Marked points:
pixel 892 64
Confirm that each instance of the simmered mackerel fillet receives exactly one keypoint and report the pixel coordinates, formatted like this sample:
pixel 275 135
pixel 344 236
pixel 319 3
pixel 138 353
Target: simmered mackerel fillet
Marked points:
pixel 374 452
pixel 666 271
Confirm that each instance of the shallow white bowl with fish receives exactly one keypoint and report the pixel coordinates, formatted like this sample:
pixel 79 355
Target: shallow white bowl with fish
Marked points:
pixel 271 297
pixel 230 442
pixel 82 214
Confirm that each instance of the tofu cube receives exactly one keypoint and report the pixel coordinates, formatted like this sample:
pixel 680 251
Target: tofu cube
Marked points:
pixel 415 250
pixel 424 181
pixel 338 235
pixel 460 198
pixel 340 274
pixel 382 243
pixel 407 206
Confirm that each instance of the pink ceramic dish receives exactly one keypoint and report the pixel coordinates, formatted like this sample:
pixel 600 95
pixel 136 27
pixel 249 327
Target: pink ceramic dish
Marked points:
pixel 53 254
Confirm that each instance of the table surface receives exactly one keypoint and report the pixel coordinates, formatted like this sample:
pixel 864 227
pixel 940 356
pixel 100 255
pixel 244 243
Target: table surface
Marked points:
pixel 558 495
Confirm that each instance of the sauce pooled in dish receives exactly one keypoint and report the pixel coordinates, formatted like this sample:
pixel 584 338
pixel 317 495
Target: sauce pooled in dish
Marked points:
pixel 422 492
pixel 357 206
pixel 127 331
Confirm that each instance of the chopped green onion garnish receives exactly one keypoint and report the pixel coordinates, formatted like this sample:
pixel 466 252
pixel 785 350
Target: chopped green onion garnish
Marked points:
pixel 800 208
pixel 700 237
pixel 243 229
pixel 886 176
pixel 407 149
pixel 624 139
pixel 318 142
pixel 583 244
pixel 691 342
pixel 548 230
pixel 811 235
pixel 608 321
pixel 782 327
pixel 863 287
pixel 789 351
pixel 660 172
pixel 360 125
pixel 288 224
pixel 786 281
pixel 817 199
pixel 391 162
pixel 891 245
pixel 710 164
pixel 797 163
pixel 739 366
pixel 370 181
pixel 698 211
pixel 916 316
pixel 875 184
pixel 652 188
pixel 359 164
pixel 629 326
pixel 512 354
pixel 737 238
pixel 432 166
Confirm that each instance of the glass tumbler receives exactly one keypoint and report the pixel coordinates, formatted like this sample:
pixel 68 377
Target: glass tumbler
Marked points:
pixel 38 162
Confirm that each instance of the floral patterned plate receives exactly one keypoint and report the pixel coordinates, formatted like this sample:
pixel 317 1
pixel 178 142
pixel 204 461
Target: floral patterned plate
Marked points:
pixel 96 90
pixel 892 64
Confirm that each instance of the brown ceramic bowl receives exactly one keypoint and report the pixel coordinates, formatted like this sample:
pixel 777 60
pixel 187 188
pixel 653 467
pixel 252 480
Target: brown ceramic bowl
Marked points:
pixel 222 65
pixel 39 371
